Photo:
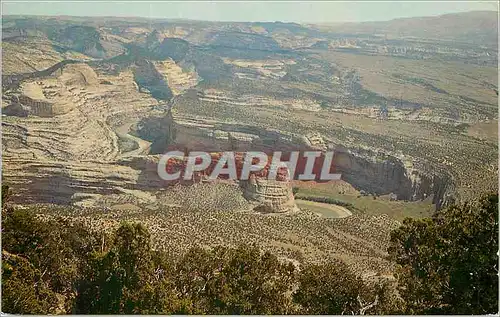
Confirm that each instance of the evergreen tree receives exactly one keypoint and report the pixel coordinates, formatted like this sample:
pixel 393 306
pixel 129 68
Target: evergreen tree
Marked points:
pixel 449 264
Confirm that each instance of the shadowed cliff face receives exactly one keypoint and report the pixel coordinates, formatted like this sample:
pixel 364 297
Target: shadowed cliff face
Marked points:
pixel 385 176
pixel 147 77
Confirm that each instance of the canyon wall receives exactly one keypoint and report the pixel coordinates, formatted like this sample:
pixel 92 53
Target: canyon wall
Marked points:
pixel 385 175
pixel 366 170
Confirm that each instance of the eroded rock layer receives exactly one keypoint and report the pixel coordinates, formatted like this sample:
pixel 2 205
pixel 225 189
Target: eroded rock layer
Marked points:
pixel 79 130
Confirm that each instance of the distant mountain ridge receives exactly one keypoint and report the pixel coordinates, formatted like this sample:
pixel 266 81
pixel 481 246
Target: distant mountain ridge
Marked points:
pixel 473 34
pixel 480 27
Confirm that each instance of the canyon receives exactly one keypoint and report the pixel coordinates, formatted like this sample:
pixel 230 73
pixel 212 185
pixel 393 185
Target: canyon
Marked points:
pixel 90 105
pixel 65 147
pixel 407 116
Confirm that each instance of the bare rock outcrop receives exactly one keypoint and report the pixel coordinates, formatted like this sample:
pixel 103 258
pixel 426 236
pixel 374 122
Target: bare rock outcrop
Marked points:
pixel 270 196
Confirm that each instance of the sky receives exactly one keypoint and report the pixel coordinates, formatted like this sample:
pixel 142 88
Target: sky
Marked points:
pixel 296 11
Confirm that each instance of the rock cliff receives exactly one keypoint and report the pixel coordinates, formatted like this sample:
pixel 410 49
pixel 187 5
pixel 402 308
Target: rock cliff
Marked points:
pixel 385 174
pixel 270 196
